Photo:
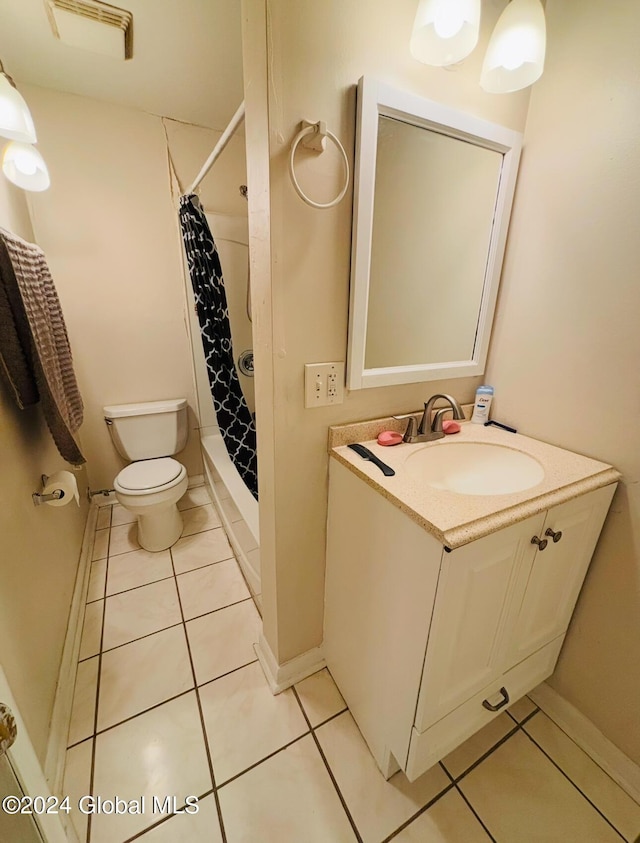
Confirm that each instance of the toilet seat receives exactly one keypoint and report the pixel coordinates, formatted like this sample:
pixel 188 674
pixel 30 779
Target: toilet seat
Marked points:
pixel 146 477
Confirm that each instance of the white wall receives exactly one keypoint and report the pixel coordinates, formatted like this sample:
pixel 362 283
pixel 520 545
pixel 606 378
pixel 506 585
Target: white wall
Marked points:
pixel 40 546
pixel 565 354
pixel 316 54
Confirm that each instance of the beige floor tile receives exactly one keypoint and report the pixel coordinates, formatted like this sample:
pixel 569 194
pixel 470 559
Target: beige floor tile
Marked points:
pixel 214 587
pixel 142 674
pixel 320 697
pixel 84 702
pixel 475 747
pixel 199 520
pixel 91 630
pixel 377 806
pixel 139 612
pixel 203 827
pixel 123 539
pixel 200 550
pixel 450 820
pixel 615 804
pixel 103 521
pixel 521 797
pixel 160 753
pixel 231 510
pixel 224 640
pixel 522 709
pixel 287 799
pixel 121 516
pixel 97 578
pixel 100 545
pixel 245 722
pixel 139 567
pixel 196 496
pixel 77 783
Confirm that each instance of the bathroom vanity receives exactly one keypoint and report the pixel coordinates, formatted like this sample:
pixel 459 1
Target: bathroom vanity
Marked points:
pixel 443 607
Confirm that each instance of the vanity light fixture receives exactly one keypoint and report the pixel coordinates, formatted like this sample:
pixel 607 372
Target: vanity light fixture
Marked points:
pixel 23 165
pixel 16 122
pixel 445 31
pixel 515 55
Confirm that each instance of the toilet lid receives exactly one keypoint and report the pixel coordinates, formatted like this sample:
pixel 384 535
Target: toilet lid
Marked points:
pixel 147 474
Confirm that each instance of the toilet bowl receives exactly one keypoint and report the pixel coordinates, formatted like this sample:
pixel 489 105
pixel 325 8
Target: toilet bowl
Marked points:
pixel 148 434
pixel 150 489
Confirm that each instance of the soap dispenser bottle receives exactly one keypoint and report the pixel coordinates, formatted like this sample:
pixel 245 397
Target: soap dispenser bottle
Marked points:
pixel 484 396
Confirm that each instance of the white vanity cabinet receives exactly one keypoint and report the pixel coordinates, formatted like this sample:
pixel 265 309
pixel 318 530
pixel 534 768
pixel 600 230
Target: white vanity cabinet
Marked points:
pixel 428 645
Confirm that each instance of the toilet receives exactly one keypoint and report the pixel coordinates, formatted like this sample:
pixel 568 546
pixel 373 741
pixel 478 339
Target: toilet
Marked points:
pixel 148 434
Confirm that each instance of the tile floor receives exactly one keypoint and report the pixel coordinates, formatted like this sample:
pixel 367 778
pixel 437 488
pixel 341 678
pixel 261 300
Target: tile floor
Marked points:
pixel 171 702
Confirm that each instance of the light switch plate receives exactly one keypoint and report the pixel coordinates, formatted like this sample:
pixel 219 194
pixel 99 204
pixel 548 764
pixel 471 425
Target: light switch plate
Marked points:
pixel 323 384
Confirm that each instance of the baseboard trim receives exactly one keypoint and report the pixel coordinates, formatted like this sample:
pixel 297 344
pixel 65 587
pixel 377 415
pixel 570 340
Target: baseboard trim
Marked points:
pixel 586 734
pixel 61 715
pixel 196 480
pixel 283 676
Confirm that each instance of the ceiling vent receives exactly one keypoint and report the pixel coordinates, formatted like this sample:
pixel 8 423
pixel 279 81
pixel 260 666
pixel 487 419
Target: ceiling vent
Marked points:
pixel 92 25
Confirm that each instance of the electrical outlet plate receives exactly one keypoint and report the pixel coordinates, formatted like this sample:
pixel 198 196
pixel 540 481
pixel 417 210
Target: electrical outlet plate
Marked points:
pixel 323 384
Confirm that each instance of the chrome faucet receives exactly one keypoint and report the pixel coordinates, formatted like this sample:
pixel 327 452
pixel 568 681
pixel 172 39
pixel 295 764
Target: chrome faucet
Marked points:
pixel 427 430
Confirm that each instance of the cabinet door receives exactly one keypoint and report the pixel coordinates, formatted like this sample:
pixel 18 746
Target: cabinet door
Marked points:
pixel 558 571
pixel 479 592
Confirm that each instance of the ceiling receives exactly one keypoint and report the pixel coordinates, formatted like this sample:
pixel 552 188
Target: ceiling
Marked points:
pixel 187 61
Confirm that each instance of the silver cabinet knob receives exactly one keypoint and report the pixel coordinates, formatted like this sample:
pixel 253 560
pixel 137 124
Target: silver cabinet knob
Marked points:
pixel 542 543
pixel 555 536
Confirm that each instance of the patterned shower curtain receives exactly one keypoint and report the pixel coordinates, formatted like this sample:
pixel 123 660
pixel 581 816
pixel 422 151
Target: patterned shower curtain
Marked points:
pixel 234 418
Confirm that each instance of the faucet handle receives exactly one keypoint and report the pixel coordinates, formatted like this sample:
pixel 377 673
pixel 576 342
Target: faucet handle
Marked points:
pixel 438 418
pixel 411 432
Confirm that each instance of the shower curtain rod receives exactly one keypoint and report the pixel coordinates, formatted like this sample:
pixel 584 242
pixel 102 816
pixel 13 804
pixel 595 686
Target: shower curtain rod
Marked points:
pixel 228 133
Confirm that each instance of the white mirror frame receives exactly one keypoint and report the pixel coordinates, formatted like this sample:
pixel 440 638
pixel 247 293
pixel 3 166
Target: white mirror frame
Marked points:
pixel 376 99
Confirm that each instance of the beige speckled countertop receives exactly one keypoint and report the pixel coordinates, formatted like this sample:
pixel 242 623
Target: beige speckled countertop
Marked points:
pixel 456 519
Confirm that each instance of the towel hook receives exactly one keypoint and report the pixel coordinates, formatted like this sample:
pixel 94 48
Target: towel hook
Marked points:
pixel 318 132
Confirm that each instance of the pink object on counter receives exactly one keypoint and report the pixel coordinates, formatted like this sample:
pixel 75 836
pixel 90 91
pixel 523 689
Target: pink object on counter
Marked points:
pixel 389 437
pixel 450 426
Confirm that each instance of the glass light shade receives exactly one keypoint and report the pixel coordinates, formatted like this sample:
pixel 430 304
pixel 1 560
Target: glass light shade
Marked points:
pixel 515 55
pixel 445 31
pixel 23 165
pixel 16 122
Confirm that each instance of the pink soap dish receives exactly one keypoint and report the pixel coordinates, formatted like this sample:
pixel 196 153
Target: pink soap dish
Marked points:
pixel 450 426
pixel 389 437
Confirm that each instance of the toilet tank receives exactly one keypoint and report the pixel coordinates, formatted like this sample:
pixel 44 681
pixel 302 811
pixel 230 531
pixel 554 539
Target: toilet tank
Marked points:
pixel 149 429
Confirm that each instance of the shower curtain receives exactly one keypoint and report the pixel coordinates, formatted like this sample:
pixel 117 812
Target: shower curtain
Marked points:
pixel 234 418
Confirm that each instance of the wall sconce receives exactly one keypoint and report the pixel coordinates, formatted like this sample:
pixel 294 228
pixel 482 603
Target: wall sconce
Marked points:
pixel 515 55
pixel 16 122
pixel 446 31
pixel 23 165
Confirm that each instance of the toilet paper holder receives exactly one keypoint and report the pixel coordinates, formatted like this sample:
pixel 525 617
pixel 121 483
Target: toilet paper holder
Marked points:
pixel 38 498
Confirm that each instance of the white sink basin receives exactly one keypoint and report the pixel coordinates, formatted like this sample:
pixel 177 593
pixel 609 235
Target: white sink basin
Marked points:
pixel 474 468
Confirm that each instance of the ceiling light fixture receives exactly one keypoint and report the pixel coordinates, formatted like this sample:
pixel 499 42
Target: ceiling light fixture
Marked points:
pixel 23 165
pixel 445 31
pixel 516 51
pixel 16 122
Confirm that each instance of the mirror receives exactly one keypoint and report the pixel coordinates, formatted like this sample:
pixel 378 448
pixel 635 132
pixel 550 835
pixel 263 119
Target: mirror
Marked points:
pixel 433 194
